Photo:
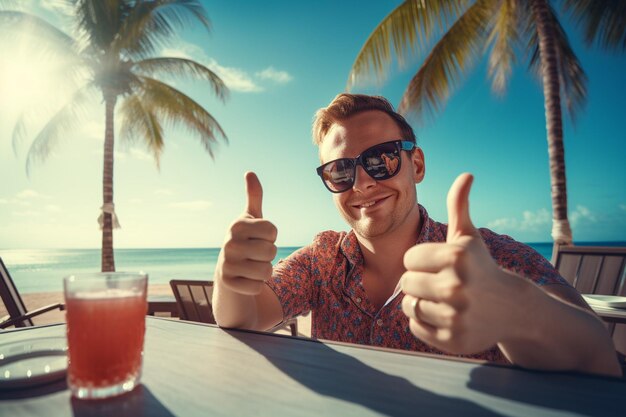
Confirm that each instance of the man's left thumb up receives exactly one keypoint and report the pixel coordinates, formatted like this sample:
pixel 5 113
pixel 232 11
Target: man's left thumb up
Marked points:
pixel 459 221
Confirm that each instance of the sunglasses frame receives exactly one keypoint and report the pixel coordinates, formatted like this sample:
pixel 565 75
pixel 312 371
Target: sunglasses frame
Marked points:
pixel 401 145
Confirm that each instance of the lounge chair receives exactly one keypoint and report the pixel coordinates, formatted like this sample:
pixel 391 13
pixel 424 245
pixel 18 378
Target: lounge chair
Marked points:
pixel 18 315
pixel 193 298
pixel 593 269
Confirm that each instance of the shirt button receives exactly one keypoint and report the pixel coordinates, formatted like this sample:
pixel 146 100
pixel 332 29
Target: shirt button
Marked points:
pixel 358 299
pixel 379 322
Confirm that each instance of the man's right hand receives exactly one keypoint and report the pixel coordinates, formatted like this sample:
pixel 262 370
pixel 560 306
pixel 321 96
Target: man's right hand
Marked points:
pixel 245 262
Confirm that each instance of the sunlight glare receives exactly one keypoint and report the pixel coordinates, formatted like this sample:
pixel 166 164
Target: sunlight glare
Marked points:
pixel 28 78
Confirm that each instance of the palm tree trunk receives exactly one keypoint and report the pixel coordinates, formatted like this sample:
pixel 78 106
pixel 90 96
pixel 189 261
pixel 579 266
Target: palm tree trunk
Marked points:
pixel 108 260
pixel 561 231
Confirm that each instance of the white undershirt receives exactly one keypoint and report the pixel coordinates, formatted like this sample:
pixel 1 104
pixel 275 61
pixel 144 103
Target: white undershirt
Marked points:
pixel 394 295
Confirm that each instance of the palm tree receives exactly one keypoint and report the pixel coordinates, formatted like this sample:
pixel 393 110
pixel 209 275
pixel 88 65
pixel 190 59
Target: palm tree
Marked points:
pixel 499 28
pixel 115 46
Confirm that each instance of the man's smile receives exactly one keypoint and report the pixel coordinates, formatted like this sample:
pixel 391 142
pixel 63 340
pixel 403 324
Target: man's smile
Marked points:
pixel 371 202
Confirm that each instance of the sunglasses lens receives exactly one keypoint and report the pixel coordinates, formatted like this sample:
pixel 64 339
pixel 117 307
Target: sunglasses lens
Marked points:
pixel 382 162
pixel 339 175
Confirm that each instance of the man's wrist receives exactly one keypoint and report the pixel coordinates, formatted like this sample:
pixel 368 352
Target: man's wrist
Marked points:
pixel 521 323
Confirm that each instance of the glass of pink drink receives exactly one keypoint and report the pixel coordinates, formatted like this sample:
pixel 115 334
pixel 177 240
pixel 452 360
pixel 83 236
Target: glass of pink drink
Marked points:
pixel 106 322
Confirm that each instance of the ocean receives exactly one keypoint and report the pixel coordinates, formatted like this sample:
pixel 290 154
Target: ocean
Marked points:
pixel 42 270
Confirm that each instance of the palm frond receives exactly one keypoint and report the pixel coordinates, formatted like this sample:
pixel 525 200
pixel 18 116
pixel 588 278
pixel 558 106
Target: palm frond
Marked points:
pixel 67 117
pixel 20 131
pixel 151 24
pixel 603 21
pixel 453 55
pixel 407 28
pixel 572 77
pixel 173 107
pixel 505 37
pixel 139 121
pixel 183 67
pixel 71 75
pixel 100 20
pixel 8 5
pixel 19 23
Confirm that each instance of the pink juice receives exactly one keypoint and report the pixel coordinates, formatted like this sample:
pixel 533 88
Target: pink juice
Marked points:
pixel 105 333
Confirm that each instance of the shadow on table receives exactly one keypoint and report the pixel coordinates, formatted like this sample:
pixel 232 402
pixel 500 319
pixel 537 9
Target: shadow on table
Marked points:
pixel 34 392
pixel 139 402
pixel 335 374
pixel 553 390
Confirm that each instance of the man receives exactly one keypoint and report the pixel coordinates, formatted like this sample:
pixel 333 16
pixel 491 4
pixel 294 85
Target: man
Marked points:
pixel 400 279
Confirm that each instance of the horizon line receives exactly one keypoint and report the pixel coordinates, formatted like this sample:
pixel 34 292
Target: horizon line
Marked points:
pixel 582 242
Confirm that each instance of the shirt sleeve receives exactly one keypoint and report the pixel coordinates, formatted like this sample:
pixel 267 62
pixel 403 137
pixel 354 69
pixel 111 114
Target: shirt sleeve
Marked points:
pixel 292 284
pixel 521 259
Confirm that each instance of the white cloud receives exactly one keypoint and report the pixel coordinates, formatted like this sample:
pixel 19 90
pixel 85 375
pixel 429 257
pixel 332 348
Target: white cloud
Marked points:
pixel 530 221
pixel 197 205
pixel 542 219
pixel 29 194
pixel 269 73
pixel 503 224
pixel 235 79
pixel 536 220
pixel 25 198
pixel 53 208
pixel 187 51
pixel 580 214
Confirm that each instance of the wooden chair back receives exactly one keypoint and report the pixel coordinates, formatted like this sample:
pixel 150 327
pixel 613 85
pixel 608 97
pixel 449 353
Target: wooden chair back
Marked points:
pixel 593 269
pixel 193 298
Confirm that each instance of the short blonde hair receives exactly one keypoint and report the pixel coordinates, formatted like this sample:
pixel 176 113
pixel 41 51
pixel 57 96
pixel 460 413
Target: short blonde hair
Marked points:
pixel 345 105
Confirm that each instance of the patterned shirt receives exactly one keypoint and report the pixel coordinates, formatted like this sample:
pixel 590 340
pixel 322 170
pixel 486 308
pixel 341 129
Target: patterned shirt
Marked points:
pixel 325 278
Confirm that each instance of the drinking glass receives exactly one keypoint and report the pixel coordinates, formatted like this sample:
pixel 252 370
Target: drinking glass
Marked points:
pixel 105 331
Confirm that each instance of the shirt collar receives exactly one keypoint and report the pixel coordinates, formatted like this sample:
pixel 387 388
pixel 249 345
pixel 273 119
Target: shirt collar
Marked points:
pixel 352 251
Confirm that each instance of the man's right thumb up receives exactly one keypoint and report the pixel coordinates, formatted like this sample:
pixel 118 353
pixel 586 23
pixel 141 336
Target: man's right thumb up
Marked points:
pixel 254 191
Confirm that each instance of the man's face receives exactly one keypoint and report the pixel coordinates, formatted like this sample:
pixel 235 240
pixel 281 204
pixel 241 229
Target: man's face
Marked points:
pixel 373 208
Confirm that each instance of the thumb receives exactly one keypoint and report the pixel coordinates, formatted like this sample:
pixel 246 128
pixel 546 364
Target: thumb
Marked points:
pixel 459 221
pixel 254 191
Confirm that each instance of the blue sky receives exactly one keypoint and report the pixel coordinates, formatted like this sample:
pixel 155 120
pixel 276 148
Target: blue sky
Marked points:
pixel 282 61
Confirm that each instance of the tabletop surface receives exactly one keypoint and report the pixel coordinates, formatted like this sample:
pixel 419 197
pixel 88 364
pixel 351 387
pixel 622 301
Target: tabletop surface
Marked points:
pixel 200 370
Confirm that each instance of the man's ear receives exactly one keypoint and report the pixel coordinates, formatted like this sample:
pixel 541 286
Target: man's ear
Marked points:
pixel 418 164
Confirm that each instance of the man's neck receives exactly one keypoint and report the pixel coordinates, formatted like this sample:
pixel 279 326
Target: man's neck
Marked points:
pixel 385 254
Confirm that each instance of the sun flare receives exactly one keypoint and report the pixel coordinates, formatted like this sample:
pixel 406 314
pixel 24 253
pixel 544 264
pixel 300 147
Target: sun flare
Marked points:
pixel 29 80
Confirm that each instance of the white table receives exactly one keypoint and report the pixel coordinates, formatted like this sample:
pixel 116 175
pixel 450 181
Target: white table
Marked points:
pixel 201 370
pixel 609 314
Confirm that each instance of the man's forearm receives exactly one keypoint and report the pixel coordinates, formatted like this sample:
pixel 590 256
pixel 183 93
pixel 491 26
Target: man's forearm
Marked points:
pixel 232 309
pixel 548 333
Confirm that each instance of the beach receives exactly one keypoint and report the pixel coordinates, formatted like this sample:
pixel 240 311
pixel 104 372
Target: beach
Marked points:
pixel 38 273
pixel 36 300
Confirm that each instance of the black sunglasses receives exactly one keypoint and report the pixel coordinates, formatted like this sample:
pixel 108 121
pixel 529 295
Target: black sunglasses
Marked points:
pixel 381 162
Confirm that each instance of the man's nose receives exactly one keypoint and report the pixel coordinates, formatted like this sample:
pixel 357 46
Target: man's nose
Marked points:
pixel 362 180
